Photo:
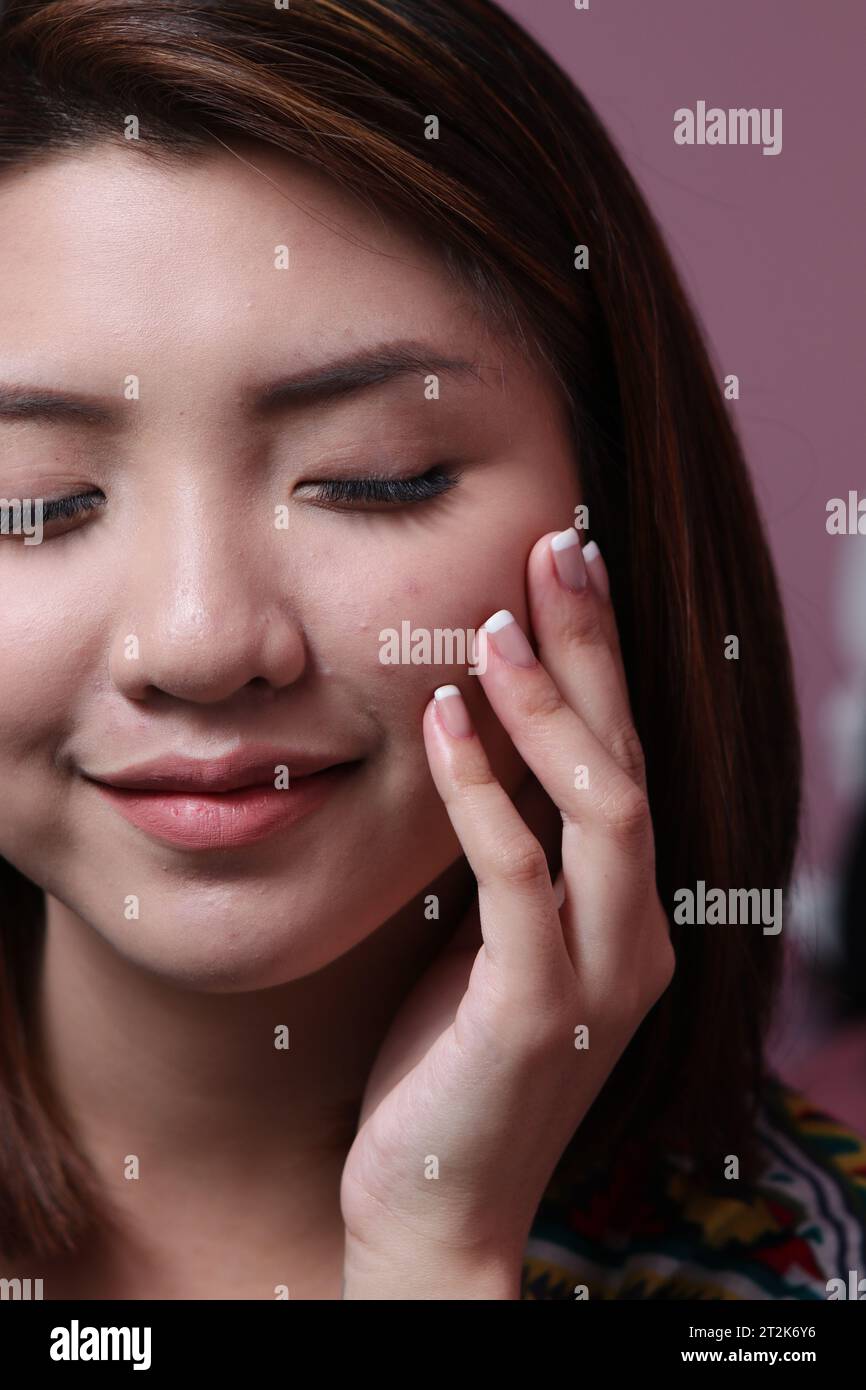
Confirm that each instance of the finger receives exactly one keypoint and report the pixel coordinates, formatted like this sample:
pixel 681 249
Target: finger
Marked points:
pixel 541 816
pixel 553 739
pixel 519 921
pixel 574 625
pixel 598 578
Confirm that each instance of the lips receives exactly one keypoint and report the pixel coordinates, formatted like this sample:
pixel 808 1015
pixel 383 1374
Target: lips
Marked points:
pixel 242 768
pixel 222 803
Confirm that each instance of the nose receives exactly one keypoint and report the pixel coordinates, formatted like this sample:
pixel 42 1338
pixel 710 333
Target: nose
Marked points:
pixel 206 609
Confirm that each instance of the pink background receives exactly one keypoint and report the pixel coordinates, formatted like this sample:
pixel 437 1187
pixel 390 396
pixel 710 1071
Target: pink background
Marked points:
pixel 771 250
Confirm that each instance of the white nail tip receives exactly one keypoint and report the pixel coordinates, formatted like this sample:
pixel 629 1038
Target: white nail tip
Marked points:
pixel 565 539
pixel 500 619
pixel 443 691
pixel 590 550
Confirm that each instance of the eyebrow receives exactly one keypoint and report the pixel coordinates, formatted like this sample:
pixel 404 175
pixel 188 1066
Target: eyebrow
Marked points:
pixel 372 366
pixel 37 403
pixel 341 377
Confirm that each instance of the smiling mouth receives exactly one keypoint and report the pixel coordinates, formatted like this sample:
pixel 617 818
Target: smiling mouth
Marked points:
pixel 185 811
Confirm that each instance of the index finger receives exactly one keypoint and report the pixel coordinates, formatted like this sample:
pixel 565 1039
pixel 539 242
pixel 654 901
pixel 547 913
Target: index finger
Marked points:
pixel 575 628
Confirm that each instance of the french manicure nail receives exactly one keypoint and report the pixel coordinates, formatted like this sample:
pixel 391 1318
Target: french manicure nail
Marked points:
pixel 597 569
pixel 568 559
pixel 452 710
pixel 508 638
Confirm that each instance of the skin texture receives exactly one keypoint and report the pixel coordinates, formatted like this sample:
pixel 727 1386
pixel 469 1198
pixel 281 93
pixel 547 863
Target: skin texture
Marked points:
pixel 159 1032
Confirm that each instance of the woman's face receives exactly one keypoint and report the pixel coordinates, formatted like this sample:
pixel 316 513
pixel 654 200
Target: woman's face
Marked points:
pixel 217 604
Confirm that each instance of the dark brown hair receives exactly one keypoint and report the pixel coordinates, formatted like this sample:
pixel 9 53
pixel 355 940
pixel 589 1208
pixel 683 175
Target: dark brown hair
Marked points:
pixel 521 173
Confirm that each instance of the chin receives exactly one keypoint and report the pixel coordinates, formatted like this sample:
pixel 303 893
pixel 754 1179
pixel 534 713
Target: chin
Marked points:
pixel 223 959
pixel 218 938
pixel 248 944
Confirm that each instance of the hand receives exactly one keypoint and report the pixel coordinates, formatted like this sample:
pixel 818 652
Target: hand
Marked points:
pixel 482 1080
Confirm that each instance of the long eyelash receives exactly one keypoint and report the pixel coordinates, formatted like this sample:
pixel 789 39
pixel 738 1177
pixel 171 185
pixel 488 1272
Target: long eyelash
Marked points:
pixel 63 508
pixel 389 490
pixel 394 490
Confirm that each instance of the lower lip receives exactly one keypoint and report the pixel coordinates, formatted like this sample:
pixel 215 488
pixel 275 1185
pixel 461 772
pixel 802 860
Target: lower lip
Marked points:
pixel 224 820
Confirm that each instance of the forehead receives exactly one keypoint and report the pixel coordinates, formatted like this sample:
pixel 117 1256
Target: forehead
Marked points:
pixel 105 248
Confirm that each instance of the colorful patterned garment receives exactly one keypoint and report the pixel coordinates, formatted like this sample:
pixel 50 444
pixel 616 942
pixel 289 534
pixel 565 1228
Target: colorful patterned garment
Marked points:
pixel 800 1225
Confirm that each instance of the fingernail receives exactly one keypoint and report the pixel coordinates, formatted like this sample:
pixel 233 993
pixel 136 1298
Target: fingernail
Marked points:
pixel 597 569
pixel 508 638
pixel 568 559
pixel 452 710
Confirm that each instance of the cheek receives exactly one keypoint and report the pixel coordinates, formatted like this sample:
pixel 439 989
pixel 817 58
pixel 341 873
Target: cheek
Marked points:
pixel 49 634
pixel 398 631
pixel 47 631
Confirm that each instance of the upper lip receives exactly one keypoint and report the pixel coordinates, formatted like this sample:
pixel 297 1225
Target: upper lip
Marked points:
pixel 245 767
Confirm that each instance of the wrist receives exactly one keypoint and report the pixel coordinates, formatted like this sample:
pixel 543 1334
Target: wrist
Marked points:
pixel 421 1273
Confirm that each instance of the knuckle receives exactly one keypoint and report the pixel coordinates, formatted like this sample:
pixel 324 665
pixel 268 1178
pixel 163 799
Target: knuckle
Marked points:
pixel 478 777
pixel 544 701
pixel 522 863
pixel 627 749
pixel 585 621
pixel 626 811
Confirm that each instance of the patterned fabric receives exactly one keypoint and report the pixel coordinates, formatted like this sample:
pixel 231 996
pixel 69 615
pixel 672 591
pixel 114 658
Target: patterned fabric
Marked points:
pixel 801 1224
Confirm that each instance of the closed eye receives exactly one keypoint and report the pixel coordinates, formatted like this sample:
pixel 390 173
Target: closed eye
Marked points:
pixel 387 491
pixel 66 508
pixel 58 515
